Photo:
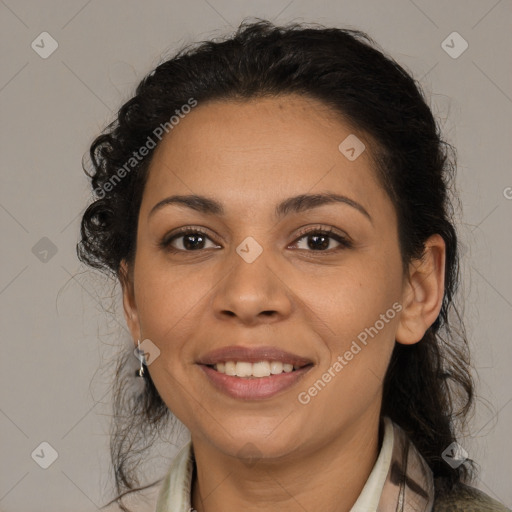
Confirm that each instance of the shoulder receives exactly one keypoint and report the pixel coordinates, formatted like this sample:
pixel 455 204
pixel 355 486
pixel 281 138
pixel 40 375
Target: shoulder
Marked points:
pixel 464 498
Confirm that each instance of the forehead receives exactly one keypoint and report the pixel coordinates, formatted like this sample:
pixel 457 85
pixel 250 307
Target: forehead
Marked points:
pixel 261 148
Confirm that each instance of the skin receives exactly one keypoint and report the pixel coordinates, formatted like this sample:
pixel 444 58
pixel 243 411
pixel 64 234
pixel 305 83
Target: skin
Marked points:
pixel 310 301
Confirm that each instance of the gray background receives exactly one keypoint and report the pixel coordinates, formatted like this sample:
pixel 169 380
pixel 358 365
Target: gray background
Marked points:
pixel 58 343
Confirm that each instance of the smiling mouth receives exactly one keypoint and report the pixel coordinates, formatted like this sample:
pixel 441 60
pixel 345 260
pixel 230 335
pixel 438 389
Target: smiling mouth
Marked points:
pixel 258 370
pixel 254 381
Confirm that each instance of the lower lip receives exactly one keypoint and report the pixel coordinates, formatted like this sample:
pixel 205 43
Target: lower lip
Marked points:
pixel 253 388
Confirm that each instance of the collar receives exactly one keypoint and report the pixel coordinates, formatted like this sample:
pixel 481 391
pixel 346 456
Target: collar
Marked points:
pixel 400 481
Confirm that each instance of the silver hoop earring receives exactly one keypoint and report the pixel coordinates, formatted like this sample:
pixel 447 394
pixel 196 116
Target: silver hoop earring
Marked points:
pixel 140 371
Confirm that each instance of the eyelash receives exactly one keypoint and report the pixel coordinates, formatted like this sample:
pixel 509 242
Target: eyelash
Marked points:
pixel 344 242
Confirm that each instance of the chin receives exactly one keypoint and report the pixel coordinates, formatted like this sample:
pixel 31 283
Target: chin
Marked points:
pixel 250 444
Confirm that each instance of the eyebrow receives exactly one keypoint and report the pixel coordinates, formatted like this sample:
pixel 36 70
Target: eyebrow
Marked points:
pixel 296 204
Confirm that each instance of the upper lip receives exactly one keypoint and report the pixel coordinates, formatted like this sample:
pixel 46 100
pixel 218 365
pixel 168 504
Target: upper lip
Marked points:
pixel 252 355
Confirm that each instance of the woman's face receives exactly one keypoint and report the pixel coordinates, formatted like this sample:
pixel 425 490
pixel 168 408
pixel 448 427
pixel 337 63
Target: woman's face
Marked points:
pixel 264 276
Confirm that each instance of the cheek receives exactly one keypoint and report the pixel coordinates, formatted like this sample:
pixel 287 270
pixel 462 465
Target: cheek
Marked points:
pixel 362 315
pixel 165 291
pixel 172 302
pixel 164 299
pixel 361 311
pixel 355 297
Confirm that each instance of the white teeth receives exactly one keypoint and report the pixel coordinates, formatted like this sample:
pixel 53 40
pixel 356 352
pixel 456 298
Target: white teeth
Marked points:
pixel 243 369
pixel 259 369
pixel 230 368
pixel 276 367
pixel 288 368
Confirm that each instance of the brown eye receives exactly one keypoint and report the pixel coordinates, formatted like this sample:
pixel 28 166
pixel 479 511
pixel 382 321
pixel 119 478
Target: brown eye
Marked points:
pixel 318 240
pixel 190 240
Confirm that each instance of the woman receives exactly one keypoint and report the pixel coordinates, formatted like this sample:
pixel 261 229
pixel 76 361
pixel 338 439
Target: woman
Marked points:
pixel 275 207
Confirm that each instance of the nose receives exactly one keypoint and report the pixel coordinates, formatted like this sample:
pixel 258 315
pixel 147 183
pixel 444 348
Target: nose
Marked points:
pixel 252 293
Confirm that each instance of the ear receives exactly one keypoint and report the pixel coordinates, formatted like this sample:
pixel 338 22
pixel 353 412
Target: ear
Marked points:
pixel 129 304
pixel 423 292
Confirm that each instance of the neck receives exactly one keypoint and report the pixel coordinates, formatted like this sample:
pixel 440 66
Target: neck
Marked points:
pixel 328 476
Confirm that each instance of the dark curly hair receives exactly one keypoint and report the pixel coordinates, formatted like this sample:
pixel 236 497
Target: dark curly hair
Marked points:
pixel 428 389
